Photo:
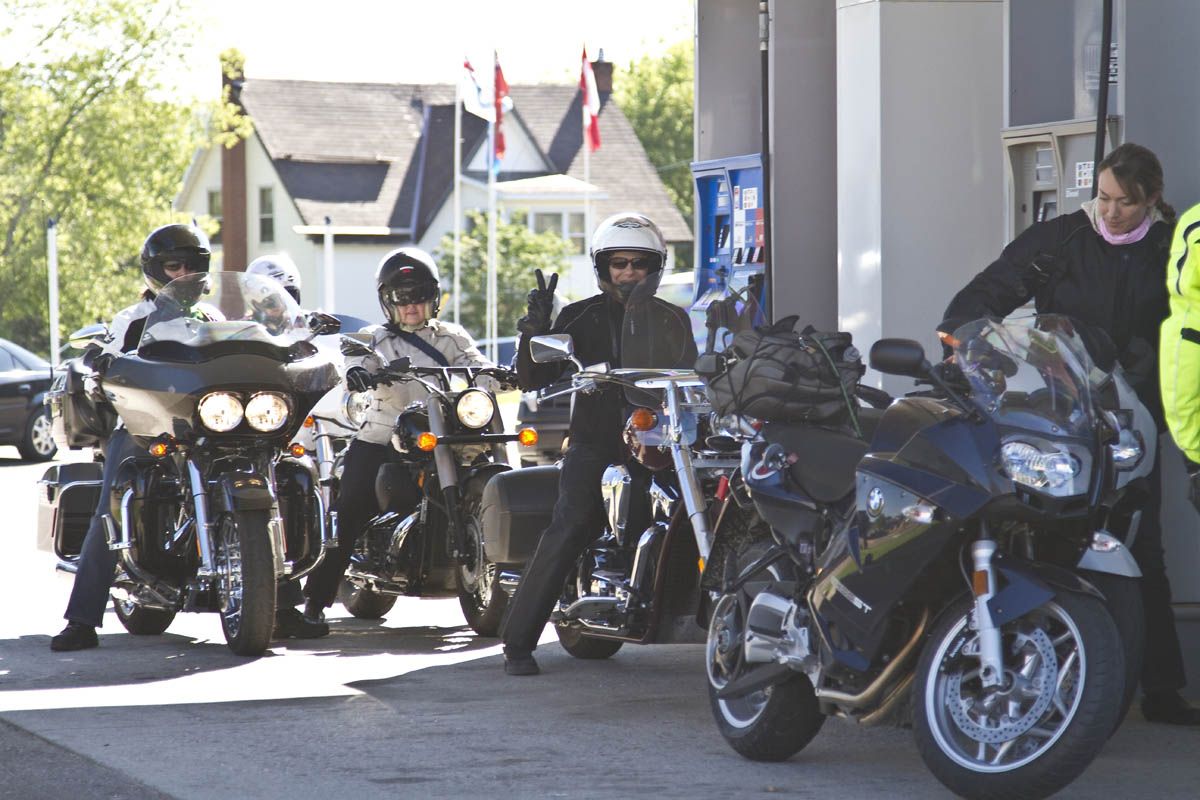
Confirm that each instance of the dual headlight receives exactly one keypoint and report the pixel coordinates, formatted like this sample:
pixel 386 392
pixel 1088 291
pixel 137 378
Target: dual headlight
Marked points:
pixel 1046 466
pixel 475 408
pixel 223 411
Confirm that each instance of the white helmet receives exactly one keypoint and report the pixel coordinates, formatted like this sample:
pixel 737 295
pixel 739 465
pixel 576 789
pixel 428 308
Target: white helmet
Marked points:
pixel 626 231
pixel 278 267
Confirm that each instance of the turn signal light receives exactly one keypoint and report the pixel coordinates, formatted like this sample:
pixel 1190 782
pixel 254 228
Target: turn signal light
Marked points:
pixel 527 436
pixel 643 419
pixel 309 422
pixel 158 449
pixel 426 441
pixel 297 449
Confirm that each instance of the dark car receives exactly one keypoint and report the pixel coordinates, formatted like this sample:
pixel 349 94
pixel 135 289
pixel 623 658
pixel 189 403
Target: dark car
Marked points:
pixel 550 418
pixel 24 420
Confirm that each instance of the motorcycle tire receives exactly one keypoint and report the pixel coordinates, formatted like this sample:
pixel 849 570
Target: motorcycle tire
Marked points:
pixel 246 581
pixel 364 603
pixel 1031 736
pixel 1124 601
pixel 482 600
pixel 142 621
pixel 580 645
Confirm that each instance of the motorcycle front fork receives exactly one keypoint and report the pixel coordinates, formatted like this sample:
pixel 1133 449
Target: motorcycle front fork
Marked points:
pixel 983 586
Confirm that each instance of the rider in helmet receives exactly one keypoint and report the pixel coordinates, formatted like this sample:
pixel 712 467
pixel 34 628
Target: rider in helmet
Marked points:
pixel 280 268
pixel 409 295
pixel 168 253
pixel 628 252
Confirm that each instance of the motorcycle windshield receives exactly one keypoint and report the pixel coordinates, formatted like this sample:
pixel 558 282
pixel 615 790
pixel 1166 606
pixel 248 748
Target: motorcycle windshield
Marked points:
pixel 1029 372
pixel 203 309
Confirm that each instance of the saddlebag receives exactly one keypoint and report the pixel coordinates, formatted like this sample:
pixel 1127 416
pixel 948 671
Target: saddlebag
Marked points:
pixel 516 508
pixel 76 420
pixel 779 375
pixel 68 494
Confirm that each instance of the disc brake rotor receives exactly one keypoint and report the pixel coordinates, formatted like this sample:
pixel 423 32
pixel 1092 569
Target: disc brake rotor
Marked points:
pixel 994 724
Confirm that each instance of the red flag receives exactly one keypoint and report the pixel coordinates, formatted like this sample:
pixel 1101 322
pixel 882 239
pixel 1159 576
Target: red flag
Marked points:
pixel 591 103
pixel 500 96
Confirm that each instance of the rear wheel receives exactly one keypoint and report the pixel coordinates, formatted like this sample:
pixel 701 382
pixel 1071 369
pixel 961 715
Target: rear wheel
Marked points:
pixel 38 443
pixel 246 581
pixel 365 603
pixel 142 621
pixel 580 645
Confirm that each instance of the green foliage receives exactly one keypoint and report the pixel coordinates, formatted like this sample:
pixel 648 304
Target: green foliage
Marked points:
pixel 656 96
pixel 519 251
pixel 88 138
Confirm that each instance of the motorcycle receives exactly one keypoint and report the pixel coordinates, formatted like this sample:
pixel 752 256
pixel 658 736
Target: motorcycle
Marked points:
pixel 427 541
pixel 947 573
pixel 221 508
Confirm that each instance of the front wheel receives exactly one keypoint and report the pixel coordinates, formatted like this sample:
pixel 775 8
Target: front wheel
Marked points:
pixel 479 594
pixel 1124 603
pixel 246 581
pixel 1039 729
pixel 142 621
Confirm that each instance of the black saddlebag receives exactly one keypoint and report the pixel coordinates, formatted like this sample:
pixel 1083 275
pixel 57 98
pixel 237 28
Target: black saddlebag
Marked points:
pixel 68 494
pixel 516 508
pixel 76 420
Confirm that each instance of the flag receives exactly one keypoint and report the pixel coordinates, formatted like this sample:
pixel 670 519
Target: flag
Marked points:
pixel 502 103
pixel 476 99
pixel 591 103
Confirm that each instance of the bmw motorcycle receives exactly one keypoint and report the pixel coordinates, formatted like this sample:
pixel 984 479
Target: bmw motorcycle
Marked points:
pixel 221 507
pixel 427 541
pixel 953 573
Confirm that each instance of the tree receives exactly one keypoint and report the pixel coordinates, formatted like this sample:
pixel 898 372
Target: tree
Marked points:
pixel 656 96
pixel 519 251
pixel 88 138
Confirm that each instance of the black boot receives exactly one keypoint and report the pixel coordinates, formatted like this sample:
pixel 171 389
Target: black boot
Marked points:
pixel 1167 705
pixel 76 636
pixel 290 623
pixel 520 664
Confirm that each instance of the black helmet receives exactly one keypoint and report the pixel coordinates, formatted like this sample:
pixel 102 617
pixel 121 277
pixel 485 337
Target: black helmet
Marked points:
pixel 407 275
pixel 181 243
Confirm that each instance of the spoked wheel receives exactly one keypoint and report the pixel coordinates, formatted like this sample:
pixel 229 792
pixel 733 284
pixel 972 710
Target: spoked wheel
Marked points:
pixel 479 593
pixel 245 581
pixel 364 603
pixel 142 621
pixel 769 724
pixel 1035 732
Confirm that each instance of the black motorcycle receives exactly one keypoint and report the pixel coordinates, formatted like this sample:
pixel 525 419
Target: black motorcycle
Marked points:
pixel 221 507
pixel 427 542
pixel 949 577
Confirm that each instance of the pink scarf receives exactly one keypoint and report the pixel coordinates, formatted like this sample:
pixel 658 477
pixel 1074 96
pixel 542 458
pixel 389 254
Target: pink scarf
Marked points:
pixel 1132 236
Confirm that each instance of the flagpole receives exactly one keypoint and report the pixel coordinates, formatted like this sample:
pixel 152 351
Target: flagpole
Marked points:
pixel 587 175
pixel 491 275
pixel 457 193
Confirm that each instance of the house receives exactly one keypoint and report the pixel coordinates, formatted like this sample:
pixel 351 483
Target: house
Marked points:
pixel 373 162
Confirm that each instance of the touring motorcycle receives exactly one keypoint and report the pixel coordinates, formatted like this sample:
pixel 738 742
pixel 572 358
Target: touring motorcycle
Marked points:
pixel 947 573
pixel 427 542
pixel 221 507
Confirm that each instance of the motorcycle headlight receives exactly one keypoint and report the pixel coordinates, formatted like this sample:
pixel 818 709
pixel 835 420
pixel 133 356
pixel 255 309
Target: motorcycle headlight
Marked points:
pixel 220 411
pixel 354 407
pixel 475 408
pixel 1052 471
pixel 266 412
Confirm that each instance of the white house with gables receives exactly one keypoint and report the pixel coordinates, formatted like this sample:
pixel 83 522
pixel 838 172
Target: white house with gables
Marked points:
pixel 374 163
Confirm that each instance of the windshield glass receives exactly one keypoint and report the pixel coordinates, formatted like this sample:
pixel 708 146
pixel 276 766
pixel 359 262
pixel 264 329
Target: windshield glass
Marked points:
pixel 205 308
pixel 1032 372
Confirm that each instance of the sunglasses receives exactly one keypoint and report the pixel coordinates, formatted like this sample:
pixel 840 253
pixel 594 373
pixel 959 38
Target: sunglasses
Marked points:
pixel 406 297
pixel 622 263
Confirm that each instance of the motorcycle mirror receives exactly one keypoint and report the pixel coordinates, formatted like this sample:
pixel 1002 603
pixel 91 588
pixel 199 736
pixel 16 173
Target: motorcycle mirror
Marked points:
pixel 356 344
pixel 552 347
pixel 321 323
pixel 899 357
pixel 96 333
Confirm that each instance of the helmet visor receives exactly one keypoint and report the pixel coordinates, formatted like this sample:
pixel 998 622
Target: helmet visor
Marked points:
pixel 409 294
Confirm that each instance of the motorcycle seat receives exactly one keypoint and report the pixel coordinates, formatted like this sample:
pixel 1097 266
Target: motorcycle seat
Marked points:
pixel 826 459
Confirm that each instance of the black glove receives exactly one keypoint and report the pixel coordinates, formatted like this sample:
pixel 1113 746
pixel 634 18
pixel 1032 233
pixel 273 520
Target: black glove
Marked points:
pixel 359 380
pixel 101 362
pixel 539 307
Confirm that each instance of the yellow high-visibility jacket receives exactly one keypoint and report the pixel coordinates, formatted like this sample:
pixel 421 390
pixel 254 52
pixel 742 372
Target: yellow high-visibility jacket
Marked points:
pixel 1179 344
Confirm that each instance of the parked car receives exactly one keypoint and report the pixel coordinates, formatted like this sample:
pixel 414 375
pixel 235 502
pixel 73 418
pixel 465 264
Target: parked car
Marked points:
pixel 24 420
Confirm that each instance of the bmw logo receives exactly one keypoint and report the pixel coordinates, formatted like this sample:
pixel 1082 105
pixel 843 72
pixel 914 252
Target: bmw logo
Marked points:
pixel 875 501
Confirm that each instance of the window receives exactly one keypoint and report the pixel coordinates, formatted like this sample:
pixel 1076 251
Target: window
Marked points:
pixel 570 226
pixel 6 361
pixel 214 211
pixel 266 215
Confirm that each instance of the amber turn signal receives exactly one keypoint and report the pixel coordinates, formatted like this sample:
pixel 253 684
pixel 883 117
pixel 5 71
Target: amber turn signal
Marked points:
pixel 427 441
pixel 527 436
pixel 309 422
pixel 297 449
pixel 643 419
pixel 158 449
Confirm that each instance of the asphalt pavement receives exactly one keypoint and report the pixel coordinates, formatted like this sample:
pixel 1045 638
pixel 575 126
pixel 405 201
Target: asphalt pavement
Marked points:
pixel 414 706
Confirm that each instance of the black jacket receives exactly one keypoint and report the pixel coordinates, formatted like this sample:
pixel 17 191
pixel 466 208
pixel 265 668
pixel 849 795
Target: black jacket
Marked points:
pixel 596 328
pixel 1119 289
